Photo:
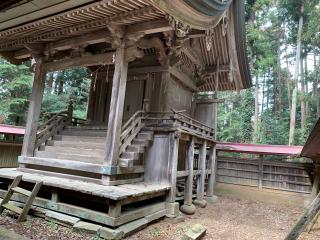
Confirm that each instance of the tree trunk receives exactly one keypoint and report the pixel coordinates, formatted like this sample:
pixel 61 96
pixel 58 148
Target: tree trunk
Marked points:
pixel 50 82
pixel 302 98
pixel 306 88
pixel 60 83
pixel 263 83
pixel 315 91
pixel 295 79
pixel 256 112
pixel 268 88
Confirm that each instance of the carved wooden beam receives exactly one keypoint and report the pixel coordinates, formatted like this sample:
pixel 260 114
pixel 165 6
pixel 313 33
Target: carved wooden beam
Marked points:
pixel 157 44
pixel 82 61
pixel 9 56
pixel 183 78
pixel 192 55
pixel 149 27
pixel 69 43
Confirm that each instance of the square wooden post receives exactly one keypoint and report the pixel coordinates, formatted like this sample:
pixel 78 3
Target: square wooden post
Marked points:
pixel 316 181
pixel 199 201
pixel 188 207
pixel 116 112
pixel 34 110
pixel 260 174
pixel 171 205
pixel 210 197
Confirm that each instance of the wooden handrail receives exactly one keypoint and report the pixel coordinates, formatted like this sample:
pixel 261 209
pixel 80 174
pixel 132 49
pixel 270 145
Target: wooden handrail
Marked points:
pixel 191 119
pixel 132 118
pixel 52 126
pixel 130 130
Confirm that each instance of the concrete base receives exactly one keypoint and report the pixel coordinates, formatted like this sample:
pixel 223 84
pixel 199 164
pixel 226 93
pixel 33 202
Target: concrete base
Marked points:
pixel 200 203
pixel 172 210
pixel 212 199
pixel 188 209
pixel 174 220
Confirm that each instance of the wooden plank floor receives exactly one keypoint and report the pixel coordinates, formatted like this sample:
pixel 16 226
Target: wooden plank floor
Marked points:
pixel 110 192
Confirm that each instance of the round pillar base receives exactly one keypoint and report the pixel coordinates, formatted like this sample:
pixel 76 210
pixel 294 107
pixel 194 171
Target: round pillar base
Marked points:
pixel 212 199
pixel 188 209
pixel 200 202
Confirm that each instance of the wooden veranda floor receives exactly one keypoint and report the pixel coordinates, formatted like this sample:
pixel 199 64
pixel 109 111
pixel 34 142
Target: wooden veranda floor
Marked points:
pixel 107 205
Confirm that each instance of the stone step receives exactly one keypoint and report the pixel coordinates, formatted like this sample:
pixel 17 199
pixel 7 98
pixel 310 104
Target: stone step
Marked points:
pixel 69 156
pixel 85 133
pixel 76 150
pixel 82 139
pixel 130 155
pixel 80 144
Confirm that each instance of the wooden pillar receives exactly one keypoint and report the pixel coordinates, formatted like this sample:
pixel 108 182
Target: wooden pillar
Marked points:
pixel 201 178
pixel 34 110
pixel 188 207
pixel 172 207
pixel 116 110
pixel 316 181
pixel 212 175
pixel 173 161
pixel 90 112
pixel 260 183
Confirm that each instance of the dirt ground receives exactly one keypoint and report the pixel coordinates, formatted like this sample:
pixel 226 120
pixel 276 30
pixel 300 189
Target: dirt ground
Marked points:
pixel 229 218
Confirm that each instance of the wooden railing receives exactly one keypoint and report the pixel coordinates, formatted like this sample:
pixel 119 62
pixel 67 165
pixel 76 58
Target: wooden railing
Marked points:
pixel 192 125
pixel 55 124
pixel 184 122
pixel 172 118
pixel 130 130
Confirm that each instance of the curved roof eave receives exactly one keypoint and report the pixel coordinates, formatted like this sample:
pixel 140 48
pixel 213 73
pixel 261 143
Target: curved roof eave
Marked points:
pixel 202 15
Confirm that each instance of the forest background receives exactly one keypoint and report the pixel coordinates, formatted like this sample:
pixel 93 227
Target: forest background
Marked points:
pixel 283 45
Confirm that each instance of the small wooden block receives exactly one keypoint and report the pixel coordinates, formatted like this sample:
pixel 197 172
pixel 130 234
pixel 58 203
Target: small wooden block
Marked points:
pixel 155 216
pixel 195 233
pixel 134 226
pixel 108 233
pixel 86 227
pixel 61 219
pixel 172 209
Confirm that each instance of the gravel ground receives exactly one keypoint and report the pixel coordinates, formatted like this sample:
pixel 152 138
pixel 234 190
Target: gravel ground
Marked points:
pixel 229 218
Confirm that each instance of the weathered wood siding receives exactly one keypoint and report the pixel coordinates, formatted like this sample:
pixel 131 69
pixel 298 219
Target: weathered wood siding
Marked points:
pixel 272 174
pixel 9 153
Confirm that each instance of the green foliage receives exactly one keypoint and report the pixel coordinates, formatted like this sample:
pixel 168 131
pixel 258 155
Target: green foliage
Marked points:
pixel 235 117
pixel 15 90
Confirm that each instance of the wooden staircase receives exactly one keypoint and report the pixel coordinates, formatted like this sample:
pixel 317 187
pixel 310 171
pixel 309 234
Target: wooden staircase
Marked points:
pixel 22 212
pixel 81 143
pixel 135 149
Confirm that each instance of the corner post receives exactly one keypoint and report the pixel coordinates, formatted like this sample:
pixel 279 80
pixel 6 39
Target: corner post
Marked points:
pixel 199 201
pixel 188 207
pixel 316 181
pixel 119 82
pixel 29 140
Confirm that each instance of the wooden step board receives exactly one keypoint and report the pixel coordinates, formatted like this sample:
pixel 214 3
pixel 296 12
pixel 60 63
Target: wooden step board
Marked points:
pixel 22 212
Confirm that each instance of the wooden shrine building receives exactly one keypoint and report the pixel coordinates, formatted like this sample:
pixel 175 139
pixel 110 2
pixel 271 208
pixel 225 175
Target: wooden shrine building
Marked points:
pixel 150 129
